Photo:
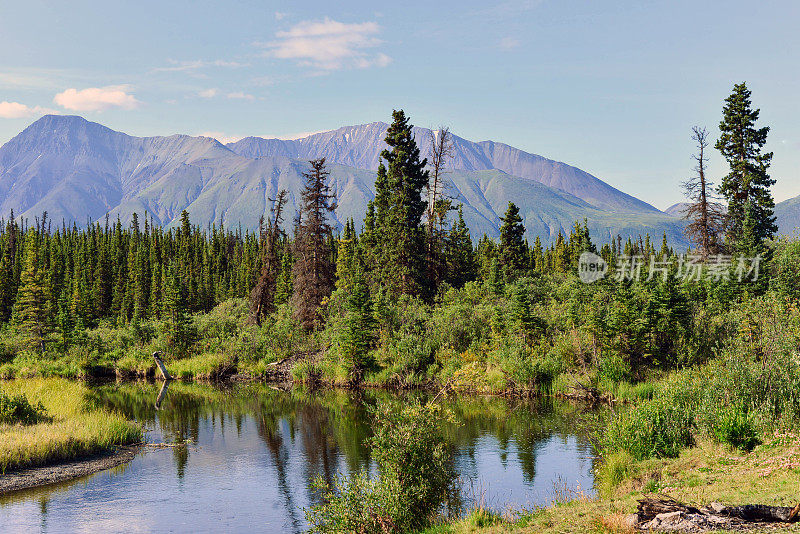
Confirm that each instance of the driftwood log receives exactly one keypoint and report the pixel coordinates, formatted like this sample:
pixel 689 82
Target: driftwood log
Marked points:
pixel 666 514
pixel 161 366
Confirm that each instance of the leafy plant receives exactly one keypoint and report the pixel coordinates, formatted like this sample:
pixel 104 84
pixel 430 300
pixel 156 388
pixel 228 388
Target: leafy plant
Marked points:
pixel 736 429
pixel 657 428
pixel 18 410
pixel 416 477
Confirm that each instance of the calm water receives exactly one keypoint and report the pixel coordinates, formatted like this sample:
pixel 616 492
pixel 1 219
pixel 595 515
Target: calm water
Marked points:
pixel 252 451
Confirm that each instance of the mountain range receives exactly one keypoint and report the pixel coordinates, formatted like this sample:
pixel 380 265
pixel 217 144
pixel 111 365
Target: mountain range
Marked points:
pixel 78 170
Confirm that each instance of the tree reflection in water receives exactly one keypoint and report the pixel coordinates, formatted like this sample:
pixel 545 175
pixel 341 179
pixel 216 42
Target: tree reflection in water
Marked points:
pixel 496 441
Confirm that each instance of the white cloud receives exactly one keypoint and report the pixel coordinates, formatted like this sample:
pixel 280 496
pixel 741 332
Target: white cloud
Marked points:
pixel 238 95
pixel 222 137
pixel 292 136
pixel 262 81
pixel 97 98
pixel 194 65
pixel 15 110
pixel 509 43
pixel 207 93
pixel 280 16
pixel 330 45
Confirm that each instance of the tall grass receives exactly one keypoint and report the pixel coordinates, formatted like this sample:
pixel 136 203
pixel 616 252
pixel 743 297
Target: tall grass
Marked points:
pixel 77 428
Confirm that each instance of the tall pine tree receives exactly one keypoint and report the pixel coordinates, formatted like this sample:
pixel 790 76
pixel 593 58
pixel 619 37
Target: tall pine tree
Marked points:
pixel 399 207
pixel 314 270
pixel 747 185
pixel 459 254
pixel 512 245
pixel 32 298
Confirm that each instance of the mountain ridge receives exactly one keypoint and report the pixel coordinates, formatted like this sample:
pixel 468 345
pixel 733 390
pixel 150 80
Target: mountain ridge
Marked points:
pixel 360 146
pixel 78 170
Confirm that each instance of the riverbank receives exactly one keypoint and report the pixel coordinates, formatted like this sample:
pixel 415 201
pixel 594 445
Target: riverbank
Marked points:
pixel 710 472
pixel 73 426
pixel 61 472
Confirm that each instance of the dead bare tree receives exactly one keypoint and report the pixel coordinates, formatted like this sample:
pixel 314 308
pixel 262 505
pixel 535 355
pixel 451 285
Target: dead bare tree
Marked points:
pixel 262 298
pixel 439 203
pixel 706 217
pixel 442 151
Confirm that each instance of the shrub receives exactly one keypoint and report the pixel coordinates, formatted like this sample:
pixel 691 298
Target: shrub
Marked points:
pixel 531 369
pixel 785 268
pixel 410 353
pixel 17 410
pixel 656 428
pixel 305 372
pixel 416 477
pixel 736 429
pixel 614 368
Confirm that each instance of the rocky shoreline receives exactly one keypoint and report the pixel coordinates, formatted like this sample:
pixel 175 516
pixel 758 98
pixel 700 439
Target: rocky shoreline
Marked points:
pixel 62 472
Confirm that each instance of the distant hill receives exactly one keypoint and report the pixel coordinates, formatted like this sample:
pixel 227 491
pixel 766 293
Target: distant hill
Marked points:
pixel 787 214
pixel 78 170
pixel 360 147
pixel 677 210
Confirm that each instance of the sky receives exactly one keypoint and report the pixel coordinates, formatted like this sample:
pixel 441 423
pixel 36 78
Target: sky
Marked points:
pixel 612 87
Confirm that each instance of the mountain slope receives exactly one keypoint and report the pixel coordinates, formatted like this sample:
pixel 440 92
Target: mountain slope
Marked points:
pixel 787 214
pixel 78 170
pixel 360 147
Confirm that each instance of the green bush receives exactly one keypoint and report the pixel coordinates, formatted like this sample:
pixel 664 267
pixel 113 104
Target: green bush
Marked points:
pixel 614 368
pixel 17 410
pixel 416 477
pixel 785 268
pixel 411 352
pixel 305 372
pixel 735 429
pixel 531 369
pixel 656 428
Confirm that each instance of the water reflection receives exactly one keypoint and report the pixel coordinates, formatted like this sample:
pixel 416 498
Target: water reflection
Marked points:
pixel 162 393
pixel 250 453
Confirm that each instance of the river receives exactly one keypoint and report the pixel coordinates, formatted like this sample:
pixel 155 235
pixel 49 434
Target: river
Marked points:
pixel 246 455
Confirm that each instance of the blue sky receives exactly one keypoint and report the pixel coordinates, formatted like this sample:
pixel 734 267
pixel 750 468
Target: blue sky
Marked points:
pixel 612 87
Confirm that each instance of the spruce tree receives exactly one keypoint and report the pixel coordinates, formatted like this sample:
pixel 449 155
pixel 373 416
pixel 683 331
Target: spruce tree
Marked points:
pixel 494 281
pixel 313 270
pixel 262 297
pixel 399 207
pixel 9 242
pixel 346 256
pixel 65 319
pixel 101 289
pixel 706 218
pixel 32 298
pixel 537 256
pixel 748 182
pixel 120 262
pixel 459 254
pixel 512 244
pixel 356 336
pixel 176 309
pixel 6 282
pixel 522 315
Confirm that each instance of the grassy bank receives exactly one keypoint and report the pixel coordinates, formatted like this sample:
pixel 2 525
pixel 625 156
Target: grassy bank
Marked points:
pixel 722 431
pixel 770 474
pixel 71 426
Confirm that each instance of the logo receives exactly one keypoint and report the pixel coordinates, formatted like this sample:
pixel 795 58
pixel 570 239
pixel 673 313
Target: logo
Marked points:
pixel 591 267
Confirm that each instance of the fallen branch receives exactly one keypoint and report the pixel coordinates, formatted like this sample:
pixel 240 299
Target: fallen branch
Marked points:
pixel 666 514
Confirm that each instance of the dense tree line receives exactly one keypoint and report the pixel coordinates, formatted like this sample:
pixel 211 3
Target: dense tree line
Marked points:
pixel 413 242
pixel 66 279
